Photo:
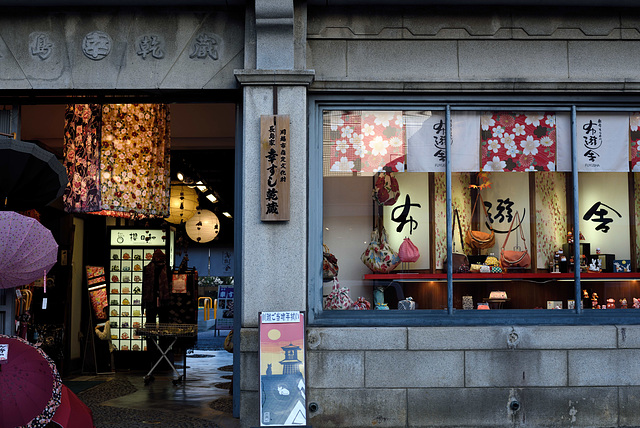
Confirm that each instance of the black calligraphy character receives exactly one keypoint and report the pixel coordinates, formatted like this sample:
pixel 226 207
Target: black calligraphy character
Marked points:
pixel 272 194
pixel 504 205
pixel 402 218
pixel 272 208
pixel 600 214
pixel 591 155
pixel 441 155
pixel 589 138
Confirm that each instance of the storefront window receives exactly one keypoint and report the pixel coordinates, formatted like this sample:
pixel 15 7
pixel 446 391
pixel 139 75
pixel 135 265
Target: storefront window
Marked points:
pixel 512 209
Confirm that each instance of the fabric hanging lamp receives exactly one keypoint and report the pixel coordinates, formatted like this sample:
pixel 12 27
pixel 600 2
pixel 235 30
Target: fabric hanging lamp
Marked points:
pixel 183 203
pixel 204 226
pixel 117 159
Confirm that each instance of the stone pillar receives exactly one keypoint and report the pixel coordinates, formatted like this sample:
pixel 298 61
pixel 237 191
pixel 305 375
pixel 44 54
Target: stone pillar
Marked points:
pixel 273 254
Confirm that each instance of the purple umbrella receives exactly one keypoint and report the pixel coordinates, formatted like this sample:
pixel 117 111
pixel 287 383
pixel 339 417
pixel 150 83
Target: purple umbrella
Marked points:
pixel 27 250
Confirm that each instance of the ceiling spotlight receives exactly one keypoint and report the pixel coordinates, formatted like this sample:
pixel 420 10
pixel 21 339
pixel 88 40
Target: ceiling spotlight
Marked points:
pixel 201 186
pixel 212 197
pixel 180 176
pixel 226 214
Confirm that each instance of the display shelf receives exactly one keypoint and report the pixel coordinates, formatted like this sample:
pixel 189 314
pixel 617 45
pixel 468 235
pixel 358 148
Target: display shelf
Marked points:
pixel 542 276
pixel 125 296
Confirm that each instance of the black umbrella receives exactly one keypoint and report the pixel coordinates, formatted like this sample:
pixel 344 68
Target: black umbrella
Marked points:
pixel 30 177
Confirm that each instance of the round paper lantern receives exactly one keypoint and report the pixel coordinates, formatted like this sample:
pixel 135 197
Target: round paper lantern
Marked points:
pixel 183 203
pixel 204 226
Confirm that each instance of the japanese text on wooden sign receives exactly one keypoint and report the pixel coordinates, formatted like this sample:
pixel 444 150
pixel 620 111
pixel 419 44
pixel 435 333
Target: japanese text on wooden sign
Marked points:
pixel 274 167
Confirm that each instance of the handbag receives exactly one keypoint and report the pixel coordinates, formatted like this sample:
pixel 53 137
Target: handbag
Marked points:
pixel 515 258
pixel 379 256
pixel 329 264
pixel 460 260
pixel 386 190
pixel 338 298
pixel 408 252
pixel 476 238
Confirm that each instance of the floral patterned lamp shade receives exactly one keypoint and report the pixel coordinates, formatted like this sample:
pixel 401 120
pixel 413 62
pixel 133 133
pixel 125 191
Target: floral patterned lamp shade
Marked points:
pixel 117 159
pixel 203 227
pixel 183 203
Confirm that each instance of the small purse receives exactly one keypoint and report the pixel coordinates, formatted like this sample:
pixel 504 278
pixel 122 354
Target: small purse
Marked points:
pixel 329 264
pixel 379 256
pixel 515 258
pixel 476 238
pixel 408 252
pixel 460 260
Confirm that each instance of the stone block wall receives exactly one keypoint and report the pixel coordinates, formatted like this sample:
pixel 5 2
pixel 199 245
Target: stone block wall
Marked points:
pixel 475 49
pixel 503 376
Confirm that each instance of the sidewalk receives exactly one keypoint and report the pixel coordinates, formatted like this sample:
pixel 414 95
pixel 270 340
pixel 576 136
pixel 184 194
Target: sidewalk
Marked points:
pixel 202 399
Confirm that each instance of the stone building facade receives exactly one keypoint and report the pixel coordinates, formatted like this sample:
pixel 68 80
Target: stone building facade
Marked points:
pixel 281 56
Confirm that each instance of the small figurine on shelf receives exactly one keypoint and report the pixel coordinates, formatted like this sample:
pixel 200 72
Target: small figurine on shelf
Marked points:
pixel 611 304
pixel 570 237
pixel 594 301
pixel 623 303
pixel 636 303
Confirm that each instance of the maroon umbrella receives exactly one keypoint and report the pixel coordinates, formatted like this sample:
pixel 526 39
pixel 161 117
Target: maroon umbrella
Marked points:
pixel 30 384
pixel 72 412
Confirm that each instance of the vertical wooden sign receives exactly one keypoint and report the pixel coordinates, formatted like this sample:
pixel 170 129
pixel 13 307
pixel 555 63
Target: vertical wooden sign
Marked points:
pixel 274 167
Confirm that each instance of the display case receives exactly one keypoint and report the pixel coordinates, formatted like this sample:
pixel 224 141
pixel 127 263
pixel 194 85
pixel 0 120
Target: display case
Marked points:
pixel 131 249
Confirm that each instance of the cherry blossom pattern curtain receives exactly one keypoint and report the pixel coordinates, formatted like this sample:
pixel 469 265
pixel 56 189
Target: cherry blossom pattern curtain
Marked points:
pixel 133 154
pixel 364 141
pixel 518 141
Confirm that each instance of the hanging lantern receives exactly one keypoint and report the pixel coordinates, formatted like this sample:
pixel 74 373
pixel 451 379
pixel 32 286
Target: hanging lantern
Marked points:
pixel 204 226
pixel 183 204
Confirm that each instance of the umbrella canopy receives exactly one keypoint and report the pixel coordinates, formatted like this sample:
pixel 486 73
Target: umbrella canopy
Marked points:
pixel 27 250
pixel 30 385
pixel 72 412
pixel 30 177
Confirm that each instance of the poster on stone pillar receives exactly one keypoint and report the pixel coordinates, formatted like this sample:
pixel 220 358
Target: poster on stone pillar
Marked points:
pixel 282 369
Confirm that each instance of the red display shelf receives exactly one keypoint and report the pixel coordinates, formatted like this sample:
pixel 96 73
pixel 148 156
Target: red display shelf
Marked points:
pixel 408 276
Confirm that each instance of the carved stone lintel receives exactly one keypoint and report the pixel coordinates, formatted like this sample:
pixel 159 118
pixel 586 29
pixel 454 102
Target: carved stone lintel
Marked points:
pixel 96 45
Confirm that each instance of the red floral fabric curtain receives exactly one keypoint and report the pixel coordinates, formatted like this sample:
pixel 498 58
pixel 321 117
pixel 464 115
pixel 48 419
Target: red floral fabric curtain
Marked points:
pixel 364 141
pixel 518 141
pixel 118 159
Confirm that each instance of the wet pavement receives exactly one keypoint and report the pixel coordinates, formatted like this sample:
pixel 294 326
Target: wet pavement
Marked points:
pixel 201 399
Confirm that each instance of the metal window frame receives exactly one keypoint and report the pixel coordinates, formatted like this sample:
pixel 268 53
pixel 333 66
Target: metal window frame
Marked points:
pixel 447 103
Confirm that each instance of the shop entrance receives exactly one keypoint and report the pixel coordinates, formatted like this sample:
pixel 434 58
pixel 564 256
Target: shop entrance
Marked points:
pixel 202 160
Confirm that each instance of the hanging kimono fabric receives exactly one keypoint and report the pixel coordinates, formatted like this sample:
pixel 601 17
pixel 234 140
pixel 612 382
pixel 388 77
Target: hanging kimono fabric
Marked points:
pixel 132 177
pixel 82 157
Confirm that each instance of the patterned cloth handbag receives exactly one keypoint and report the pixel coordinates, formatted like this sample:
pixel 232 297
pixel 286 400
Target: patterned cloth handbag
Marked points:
pixel 379 256
pixel 338 298
pixel 329 264
pixel 386 190
pixel 476 238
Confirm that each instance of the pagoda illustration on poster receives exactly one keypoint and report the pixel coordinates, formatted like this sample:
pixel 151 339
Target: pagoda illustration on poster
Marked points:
pixel 282 380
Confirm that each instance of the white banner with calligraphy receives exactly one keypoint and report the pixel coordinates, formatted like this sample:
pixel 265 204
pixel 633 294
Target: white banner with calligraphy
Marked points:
pixel 603 142
pixel 426 141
